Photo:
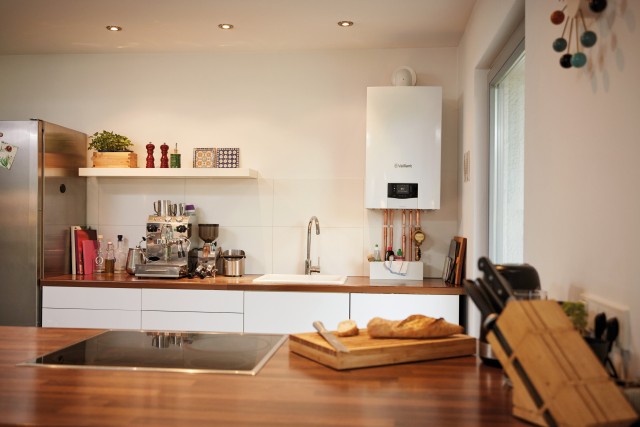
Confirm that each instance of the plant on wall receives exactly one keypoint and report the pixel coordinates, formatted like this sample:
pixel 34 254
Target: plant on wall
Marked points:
pixel 109 141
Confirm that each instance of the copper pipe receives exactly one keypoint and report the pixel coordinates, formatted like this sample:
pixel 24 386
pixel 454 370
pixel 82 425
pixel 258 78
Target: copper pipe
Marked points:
pixel 384 233
pixel 391 228
pixel 404 233
pixel 416 248
pixel 410 254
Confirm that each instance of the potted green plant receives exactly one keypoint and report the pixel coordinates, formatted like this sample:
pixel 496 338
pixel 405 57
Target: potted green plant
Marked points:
pixel 109 141
pixel 112 151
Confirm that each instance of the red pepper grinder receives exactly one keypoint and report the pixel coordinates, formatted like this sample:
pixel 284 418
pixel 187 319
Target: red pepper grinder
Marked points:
pixel 150 160
pixel 164 159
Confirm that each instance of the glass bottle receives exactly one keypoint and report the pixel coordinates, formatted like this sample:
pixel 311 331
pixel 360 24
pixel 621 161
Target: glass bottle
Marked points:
pixel 109 259
pixel 121 256
pixel 376 253
pixel 99 265
pixel 389 255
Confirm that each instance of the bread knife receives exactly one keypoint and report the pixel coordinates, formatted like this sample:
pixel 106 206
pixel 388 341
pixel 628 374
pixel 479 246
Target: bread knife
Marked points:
pixel 329 337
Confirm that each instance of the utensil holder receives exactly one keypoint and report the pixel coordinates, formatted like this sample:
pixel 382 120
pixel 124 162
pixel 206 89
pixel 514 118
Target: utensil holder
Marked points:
pixel 557 379
pixel 396 270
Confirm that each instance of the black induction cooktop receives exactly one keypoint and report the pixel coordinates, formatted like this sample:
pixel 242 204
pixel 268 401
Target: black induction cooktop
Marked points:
pixel 228 353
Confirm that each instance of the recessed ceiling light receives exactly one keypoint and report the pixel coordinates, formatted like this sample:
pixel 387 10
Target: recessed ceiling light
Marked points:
pixel 225 26
pixel 114 28
pixel 345 23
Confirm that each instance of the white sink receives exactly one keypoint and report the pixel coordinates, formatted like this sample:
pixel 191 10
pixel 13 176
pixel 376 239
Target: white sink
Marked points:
pixel 316 279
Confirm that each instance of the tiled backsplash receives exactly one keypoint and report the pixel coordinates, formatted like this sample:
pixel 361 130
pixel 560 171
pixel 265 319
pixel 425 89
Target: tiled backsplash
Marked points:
pixel 267 218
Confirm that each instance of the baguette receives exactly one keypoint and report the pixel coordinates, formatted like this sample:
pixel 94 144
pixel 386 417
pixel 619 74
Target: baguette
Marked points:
pixel 348 328
pixel 414 326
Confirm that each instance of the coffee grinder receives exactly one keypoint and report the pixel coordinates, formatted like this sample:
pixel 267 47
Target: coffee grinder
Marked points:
pixel 205 261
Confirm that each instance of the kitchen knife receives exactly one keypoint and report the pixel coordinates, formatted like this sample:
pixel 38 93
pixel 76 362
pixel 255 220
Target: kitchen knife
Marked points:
pixel 490 294
pixel 331 339
pixel 613 329
pixel 479 297
pixel 599 325
pixel 498 284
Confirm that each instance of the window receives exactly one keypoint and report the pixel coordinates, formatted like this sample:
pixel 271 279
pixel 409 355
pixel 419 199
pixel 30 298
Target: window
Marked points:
pixel 506 169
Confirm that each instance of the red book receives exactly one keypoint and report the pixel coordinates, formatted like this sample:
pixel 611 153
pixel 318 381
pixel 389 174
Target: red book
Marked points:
pixel 89 253
pixel 81 236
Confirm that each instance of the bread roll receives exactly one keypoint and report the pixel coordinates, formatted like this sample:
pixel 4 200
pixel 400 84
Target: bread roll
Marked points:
pixel 348 328
pixel 414 326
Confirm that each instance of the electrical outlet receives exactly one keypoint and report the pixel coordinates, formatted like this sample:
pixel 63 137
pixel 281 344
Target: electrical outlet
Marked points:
pixel 596 304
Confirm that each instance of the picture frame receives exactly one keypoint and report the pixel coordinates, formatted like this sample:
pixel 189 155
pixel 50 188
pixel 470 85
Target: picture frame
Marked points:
pixel 204 157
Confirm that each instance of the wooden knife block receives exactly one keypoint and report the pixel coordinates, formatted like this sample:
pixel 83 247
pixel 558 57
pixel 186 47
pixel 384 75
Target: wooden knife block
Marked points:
pixel 557 379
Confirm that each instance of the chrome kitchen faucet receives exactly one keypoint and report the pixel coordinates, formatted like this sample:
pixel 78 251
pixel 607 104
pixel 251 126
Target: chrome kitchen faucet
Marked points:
pixel 308 268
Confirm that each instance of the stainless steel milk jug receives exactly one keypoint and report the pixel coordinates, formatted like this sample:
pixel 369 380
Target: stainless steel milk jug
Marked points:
pixel 134 257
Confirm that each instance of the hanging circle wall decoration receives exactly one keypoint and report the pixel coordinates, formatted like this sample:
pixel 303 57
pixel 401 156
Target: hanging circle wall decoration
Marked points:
pixel 575 25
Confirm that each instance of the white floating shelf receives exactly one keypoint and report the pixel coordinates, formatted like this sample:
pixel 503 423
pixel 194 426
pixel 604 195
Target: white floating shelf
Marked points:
pixel 229 173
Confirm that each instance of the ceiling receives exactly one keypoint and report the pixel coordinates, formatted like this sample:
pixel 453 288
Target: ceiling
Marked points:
pixel 163 26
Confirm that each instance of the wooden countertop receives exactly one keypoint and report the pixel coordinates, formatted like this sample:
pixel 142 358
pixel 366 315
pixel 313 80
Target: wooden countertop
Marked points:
pixel 290 390
pixel 354 284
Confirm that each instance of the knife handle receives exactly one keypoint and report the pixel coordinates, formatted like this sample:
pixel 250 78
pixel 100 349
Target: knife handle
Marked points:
pixel 499 284
pixel 319 326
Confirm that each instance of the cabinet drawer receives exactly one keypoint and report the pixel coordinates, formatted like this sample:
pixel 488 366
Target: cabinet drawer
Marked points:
pixel 79 318
pixel 192 300
pixel 364 307
pixel 91 298
pixel 190 321
pixel 293 312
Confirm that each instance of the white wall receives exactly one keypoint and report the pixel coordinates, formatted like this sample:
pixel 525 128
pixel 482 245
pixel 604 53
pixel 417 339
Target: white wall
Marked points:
pixel 298 118
pixel 490 25
pixel 582 203
pixel 581 182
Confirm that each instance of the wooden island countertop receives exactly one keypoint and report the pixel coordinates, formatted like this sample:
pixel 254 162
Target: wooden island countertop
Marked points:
pixel 354 284
pixel 289 391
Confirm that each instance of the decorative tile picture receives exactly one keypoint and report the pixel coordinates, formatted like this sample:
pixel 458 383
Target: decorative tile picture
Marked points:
pixel 7 154
pixel 204 157
pixel 228 158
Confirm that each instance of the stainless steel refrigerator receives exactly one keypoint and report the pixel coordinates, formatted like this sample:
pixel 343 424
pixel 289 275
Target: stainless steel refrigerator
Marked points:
pixel 41 197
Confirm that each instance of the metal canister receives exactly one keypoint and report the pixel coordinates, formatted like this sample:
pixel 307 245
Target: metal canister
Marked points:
pixel 233 262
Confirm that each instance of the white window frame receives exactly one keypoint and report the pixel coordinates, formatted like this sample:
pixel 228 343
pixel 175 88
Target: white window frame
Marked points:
pixel 509 56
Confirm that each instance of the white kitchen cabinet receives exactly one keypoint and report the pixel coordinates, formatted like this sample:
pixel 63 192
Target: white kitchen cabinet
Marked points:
pixel 81 318
pixel 192 321
pixel 75 307
pixel 192 310
pixel 364 307
pixel 293 312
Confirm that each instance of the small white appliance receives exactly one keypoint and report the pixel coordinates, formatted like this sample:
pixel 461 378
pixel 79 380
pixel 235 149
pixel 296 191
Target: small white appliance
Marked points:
pixel 403 147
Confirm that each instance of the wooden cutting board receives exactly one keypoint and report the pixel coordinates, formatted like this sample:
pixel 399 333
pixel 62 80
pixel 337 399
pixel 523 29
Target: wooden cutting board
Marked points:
pixel 365 351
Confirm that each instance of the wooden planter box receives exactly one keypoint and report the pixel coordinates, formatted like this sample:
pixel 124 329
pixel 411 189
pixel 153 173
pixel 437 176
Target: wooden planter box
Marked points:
pixel 122 159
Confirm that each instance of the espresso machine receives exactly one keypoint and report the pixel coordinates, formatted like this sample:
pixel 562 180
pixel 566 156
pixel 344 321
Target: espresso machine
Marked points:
pixel 206 261
pixel 167 241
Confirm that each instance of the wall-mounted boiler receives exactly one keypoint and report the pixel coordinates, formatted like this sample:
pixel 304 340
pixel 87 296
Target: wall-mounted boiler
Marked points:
pixel 403 147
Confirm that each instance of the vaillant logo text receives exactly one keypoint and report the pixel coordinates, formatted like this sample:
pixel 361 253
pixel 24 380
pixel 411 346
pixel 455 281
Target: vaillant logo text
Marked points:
pixel 402 165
